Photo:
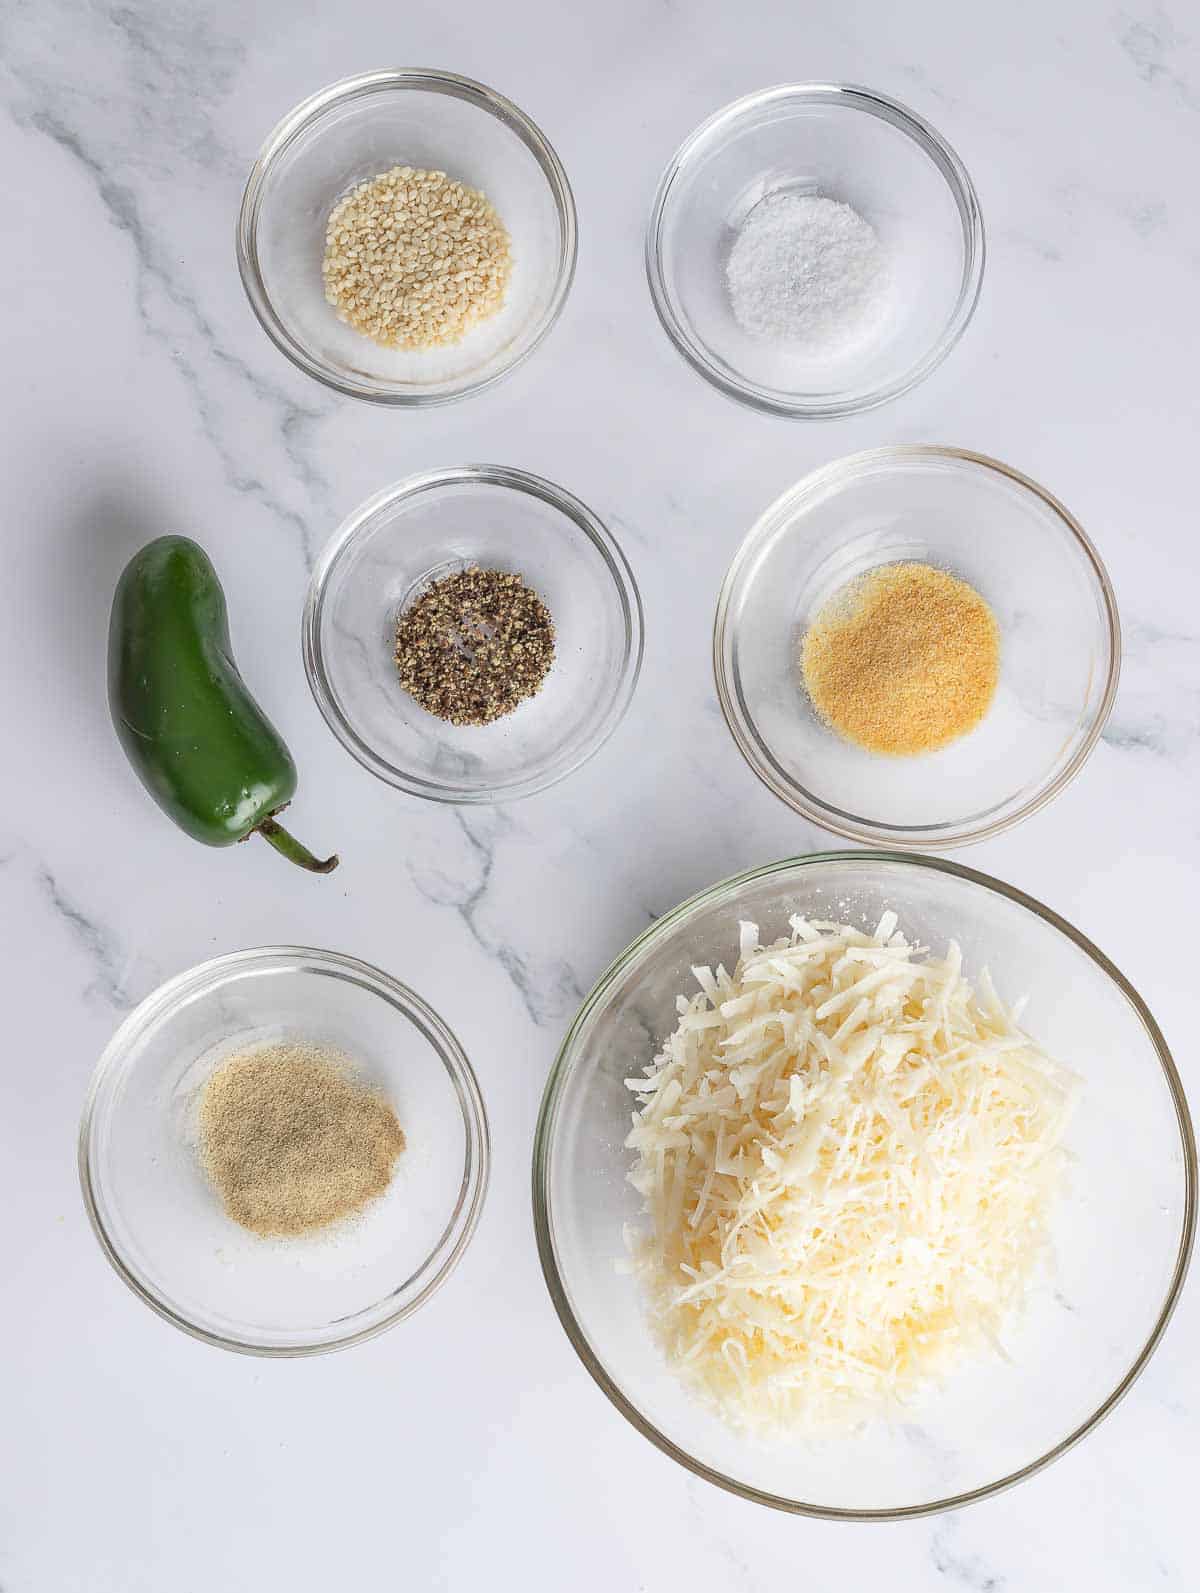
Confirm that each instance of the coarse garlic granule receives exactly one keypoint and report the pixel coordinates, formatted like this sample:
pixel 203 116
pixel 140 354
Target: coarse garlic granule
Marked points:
pixel 414 260
pixel 903 660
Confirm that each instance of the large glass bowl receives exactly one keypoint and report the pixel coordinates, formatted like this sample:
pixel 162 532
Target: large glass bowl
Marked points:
pixel 1060 643
pixel 1122 1233
pixel 162 1225
pixel 355 130
pixel 842 143
pixel 422 530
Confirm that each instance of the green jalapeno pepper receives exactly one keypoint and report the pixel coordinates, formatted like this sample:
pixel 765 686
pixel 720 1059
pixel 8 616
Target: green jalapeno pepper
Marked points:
pixel 202 746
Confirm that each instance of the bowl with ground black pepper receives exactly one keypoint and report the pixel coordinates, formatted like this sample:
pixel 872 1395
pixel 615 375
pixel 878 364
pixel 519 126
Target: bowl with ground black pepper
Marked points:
pixel 472 634
pixel 284 1151
pixel 407 237
pixel 916 646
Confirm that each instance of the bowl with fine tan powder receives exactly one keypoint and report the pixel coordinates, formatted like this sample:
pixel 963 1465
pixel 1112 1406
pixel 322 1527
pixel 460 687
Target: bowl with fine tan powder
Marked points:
pixel 284 1151
pixel 916 647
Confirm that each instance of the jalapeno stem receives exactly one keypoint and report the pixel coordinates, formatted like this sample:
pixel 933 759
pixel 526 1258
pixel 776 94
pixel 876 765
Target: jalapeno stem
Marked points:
pixel 291 848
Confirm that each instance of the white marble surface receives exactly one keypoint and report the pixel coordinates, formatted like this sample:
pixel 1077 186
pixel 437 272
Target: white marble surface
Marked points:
pixel 468 1449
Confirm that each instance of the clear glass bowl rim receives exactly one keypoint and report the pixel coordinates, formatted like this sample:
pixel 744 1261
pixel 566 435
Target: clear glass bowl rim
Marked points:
pixel 209 975
pixel 298 122
pixel 831 819
pixel 856 97
pixel 543 1223
pixel 518 481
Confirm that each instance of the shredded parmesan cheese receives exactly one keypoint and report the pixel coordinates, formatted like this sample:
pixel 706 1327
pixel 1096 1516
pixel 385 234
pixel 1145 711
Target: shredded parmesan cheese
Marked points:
pixel 846 1155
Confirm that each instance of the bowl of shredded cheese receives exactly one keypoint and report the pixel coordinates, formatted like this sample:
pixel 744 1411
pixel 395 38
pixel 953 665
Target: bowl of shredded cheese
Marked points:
pixel 916 646
pixel 824 1185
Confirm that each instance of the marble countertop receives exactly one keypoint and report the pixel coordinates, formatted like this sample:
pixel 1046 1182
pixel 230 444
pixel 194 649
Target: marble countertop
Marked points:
pixel 141 396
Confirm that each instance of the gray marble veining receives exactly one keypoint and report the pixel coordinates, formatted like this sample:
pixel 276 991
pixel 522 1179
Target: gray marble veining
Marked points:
pixel 469 1447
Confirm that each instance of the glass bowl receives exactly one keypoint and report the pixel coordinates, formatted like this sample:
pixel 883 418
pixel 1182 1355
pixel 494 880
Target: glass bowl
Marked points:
pixel 842 143
pixel 1122 1230
pixel 354 130
pixel 1059 637
pixel 162 1225
pixel 423 529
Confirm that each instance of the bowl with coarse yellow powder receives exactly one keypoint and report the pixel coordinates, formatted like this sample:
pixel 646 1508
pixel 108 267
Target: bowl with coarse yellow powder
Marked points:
pixel 916 646
pixel 284 1151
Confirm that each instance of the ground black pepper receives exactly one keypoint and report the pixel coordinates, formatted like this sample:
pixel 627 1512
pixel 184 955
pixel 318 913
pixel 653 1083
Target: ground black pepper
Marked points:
pixel 474 645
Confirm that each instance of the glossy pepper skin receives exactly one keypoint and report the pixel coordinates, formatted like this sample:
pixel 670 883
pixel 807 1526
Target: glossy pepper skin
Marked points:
pixel 202 746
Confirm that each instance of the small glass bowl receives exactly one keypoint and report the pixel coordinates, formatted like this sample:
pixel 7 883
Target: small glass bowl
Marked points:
pixel 421 530
pixel 354 130
pixel 162 1225
pixel 1060 643
pixel 1121 1233
pixel 842 143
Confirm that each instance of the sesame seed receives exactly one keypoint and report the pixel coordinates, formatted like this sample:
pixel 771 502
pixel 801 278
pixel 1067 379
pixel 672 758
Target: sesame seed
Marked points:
pixel 414 260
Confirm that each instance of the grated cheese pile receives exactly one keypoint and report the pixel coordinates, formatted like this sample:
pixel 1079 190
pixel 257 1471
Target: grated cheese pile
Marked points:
pixel 846 1155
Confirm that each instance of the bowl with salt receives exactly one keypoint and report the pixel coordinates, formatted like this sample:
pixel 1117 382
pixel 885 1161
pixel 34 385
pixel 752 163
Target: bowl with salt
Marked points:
pixel 815 249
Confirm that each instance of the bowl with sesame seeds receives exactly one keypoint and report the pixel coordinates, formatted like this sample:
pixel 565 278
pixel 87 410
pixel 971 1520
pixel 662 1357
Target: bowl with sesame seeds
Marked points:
pixel 407 237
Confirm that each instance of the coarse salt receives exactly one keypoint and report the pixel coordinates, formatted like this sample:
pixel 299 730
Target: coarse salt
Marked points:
pixel 805 269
